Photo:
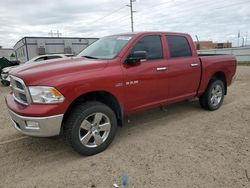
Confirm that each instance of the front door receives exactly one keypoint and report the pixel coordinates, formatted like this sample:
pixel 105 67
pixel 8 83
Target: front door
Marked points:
pixel 145 81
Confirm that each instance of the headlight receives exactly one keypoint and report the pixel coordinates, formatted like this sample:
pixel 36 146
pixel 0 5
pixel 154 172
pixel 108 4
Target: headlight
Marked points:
pixel 45 95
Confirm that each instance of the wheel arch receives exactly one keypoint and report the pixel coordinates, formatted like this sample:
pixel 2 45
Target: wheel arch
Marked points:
pixel 104 97
pixel 220 76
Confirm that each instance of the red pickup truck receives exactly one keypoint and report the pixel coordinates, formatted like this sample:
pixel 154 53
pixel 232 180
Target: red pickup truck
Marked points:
pixel 85 98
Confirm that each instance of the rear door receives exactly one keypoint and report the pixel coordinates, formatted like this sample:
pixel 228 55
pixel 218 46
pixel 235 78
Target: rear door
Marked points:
pixel 184 68
pixel 145 81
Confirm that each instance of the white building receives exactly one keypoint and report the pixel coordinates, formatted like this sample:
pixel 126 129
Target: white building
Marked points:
pixel 29 47
pixel 7 53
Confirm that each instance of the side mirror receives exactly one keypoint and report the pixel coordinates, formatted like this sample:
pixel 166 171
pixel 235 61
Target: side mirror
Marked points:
pixel 136 57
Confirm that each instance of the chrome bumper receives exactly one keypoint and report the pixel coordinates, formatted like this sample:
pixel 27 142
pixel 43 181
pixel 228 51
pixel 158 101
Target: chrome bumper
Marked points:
pixel 37 126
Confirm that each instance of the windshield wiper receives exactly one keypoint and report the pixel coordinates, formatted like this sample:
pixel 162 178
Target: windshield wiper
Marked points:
pixel 90 57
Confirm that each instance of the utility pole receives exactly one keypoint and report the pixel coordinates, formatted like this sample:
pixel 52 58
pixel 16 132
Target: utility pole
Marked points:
pixel 198 43
pixel 246 38
pixel 239 39
pixel 131 14
pixel 51 33
pixel 58 33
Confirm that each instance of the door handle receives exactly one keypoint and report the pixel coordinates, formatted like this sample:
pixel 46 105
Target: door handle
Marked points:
pixel 161 68
pixel 194 64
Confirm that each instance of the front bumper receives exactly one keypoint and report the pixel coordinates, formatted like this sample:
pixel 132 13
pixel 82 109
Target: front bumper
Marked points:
pixel 44 126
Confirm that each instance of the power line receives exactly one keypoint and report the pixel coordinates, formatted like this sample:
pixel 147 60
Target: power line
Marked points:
pixel 194 6
pixel 101 19
pixel 186 10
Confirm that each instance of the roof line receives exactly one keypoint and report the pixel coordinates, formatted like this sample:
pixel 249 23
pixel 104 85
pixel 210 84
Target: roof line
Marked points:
pixel 55 38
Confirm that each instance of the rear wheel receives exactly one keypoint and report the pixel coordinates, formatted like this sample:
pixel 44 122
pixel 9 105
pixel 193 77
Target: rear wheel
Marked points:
pixel 90 128
pixel 213 97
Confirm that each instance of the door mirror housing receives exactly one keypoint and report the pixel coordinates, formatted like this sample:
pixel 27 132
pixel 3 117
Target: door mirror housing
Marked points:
pixel 136 57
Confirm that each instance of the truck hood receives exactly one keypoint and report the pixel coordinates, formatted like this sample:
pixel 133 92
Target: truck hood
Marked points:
pixel 52 71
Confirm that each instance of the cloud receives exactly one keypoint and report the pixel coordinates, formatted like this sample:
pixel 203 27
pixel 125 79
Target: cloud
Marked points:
pixel 209 20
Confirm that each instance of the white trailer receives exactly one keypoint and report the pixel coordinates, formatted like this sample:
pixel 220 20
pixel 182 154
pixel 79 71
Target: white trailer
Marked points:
pixel 29 47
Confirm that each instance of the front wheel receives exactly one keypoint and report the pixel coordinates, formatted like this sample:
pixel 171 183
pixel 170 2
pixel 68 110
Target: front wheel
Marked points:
pixel 213 97
pixel 5 83
pixel 90 128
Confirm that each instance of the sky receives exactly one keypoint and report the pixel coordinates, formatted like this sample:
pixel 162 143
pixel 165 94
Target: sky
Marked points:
pixel 217 20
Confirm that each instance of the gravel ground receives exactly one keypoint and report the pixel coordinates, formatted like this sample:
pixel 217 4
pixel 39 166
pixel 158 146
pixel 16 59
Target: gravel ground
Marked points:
pixel 182 146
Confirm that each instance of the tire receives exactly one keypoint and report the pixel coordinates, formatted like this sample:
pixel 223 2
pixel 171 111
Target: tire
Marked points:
pixel 213 97
pixel 5 83
pixel 89 122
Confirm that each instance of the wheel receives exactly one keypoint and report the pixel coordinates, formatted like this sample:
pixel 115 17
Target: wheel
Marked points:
pixel 5 83
pixel 213 97
pixel 90 128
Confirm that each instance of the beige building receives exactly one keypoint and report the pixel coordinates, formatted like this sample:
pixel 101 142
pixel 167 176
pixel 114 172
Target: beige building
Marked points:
pixel 204 45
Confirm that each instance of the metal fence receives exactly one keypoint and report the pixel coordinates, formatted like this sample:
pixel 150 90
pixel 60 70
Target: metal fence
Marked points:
pixel 242 54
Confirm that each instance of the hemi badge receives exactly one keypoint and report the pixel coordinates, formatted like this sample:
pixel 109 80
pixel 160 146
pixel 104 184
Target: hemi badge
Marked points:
pixel 118 84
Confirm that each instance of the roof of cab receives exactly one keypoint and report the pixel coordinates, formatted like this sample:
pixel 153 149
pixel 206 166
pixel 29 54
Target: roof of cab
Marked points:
pixel 152 32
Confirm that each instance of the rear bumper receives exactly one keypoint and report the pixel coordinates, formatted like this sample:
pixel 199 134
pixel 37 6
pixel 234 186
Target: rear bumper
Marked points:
pixel 37 126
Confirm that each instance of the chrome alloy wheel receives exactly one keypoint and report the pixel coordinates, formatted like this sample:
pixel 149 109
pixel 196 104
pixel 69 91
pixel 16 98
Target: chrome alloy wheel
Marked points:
pixel 216 95
pixel 94 130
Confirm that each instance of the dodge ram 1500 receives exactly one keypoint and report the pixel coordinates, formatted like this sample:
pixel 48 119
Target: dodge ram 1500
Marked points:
pixel 86 97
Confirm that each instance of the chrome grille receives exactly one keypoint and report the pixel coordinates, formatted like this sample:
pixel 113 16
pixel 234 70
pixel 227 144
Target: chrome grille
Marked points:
pixel 19 85
pixel 20 91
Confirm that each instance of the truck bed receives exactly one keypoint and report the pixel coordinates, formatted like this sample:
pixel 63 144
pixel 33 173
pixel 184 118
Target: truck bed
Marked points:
pixel 212 63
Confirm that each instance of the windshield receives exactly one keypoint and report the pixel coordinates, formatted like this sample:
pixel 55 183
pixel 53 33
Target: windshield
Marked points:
pixel 106 47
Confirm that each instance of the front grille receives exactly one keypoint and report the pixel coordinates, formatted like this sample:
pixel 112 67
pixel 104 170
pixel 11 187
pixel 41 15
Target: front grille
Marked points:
pixel 19 85
pixel 20 92
pixel 23 97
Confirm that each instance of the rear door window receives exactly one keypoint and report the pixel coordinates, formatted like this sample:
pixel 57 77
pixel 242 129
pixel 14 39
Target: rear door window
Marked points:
pixel 178 46
pixel 152 45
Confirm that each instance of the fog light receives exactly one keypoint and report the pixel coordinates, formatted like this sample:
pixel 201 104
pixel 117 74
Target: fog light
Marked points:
pixel 32 125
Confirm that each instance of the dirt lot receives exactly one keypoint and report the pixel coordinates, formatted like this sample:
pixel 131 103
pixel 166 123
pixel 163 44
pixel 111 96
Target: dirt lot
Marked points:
pixel 183 146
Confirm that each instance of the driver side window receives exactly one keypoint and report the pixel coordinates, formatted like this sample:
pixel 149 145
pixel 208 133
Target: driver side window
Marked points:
pixel 152 45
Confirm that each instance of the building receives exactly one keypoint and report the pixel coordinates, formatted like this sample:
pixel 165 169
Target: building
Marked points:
pixel 204 45
pixel 223 45
pixel 8 53
pixel 29 47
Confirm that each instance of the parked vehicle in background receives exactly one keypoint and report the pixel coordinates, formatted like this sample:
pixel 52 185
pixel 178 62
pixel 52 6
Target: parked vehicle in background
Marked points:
pixel 48 57
pixel 86 97
pixel 7 63
pixel 5 79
